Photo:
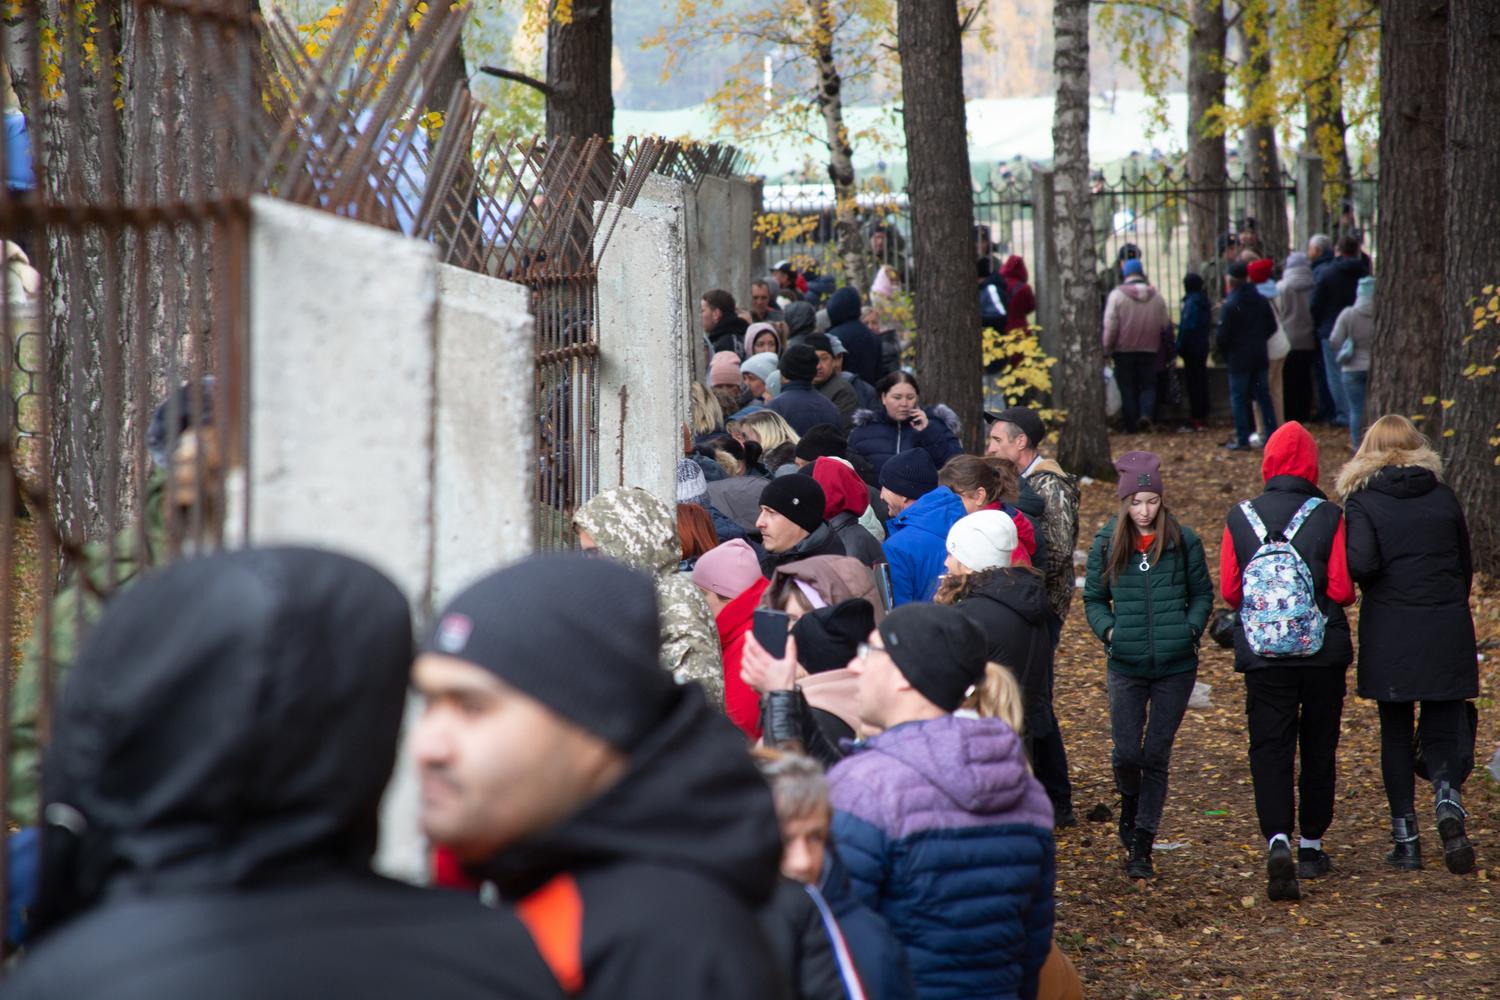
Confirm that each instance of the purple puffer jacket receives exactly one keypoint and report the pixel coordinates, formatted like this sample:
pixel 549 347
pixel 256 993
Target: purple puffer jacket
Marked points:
pixel 947 835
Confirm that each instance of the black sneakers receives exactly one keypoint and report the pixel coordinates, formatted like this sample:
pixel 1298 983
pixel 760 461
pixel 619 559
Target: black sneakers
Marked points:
pixel 1313 863
pixel 1281 873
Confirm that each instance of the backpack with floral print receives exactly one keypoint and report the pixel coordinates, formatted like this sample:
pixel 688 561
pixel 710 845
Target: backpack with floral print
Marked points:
pixel 1280 613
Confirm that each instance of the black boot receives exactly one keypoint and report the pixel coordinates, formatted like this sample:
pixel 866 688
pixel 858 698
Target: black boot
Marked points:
pixel 1127 818
pixel 1458 853
pixel 1138 865
pixel 1406 846
pixel 1281 873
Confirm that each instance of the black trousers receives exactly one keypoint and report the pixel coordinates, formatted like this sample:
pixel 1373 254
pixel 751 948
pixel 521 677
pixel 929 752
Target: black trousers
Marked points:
pixel 1288 708
pixel 1049 758
pixel 1195 374
pixel 1298 391
pixel 1445 742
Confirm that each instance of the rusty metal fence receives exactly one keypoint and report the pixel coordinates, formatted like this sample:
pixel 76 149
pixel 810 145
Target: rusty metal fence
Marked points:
pixel 123 326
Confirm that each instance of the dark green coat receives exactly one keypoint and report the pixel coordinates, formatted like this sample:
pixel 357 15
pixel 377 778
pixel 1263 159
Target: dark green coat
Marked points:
pixel 1157 614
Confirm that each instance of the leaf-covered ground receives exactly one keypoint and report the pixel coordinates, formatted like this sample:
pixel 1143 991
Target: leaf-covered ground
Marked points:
pixel 1204 928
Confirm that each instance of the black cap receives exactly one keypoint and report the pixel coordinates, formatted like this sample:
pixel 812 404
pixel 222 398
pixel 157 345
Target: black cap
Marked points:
pixel 938 650
pixel 799 499
pixel 1240 271
pixel 822 441
pixel 818 342
pixel 799 363
pixel 828 637
pixel 579 635
pixel 1024 418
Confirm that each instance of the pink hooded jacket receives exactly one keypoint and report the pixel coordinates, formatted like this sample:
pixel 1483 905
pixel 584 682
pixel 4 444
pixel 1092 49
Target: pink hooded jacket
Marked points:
pixel 1134 317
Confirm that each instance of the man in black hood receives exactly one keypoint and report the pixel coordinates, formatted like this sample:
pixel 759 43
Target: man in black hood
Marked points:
pixel 213 787
pixel 621 815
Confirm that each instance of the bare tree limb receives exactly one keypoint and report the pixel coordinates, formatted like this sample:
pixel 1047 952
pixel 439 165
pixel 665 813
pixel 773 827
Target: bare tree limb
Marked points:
pixel 518 77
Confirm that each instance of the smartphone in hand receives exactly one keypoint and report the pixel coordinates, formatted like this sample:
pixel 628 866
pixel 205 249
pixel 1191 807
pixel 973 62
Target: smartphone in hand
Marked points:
pixel 770 629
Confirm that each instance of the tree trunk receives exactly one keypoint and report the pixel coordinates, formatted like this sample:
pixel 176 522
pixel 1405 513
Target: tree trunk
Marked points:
pixel 1405 366
pixel 580 101
pixel 458 227
pixel 851 242
pixel 1083 448
pixel 946 299
pixel 1208 210
pixel 1473 262
pixel 1263 168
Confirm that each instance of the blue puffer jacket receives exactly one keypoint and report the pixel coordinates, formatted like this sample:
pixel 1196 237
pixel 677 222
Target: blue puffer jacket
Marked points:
pixel 947 836
pixel 879 438
pixel 916 544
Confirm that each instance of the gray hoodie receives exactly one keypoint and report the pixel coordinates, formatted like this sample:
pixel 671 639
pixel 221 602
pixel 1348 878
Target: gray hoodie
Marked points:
pixel 1356 323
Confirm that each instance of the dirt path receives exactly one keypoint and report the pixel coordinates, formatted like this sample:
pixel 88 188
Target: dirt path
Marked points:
pixel 1203 927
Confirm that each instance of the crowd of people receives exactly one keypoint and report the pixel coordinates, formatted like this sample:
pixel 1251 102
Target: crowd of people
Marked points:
pixel 798 737
pixel 1294 335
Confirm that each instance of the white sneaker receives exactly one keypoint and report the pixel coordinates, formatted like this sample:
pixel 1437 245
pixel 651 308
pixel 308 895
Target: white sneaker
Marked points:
pixel 1255 441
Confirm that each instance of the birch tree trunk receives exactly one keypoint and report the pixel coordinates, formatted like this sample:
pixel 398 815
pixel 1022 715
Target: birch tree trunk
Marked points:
pixel 1405 366
pixel 851 241
pixel 1472 263
pixel 1083 448
pixel 946 298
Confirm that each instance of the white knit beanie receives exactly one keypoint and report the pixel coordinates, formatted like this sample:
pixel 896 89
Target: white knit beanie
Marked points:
pixel 983 540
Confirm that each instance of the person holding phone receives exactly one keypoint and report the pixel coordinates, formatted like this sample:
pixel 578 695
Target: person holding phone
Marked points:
pixel 900 424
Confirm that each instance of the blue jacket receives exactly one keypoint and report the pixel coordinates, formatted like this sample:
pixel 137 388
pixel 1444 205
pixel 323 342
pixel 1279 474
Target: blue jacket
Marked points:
pixel 1246 322
pixel 878 956
pixel 916 544
pixel 879 438
pixel 802 406
pixel 861 346
pixel 947 836
pixel 1192 328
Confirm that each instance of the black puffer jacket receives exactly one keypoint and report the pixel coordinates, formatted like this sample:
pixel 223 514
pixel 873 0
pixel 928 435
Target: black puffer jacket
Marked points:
pixel 1010 606
pixel 1408 547
pixel 803 950
pixel 671 866
pixel 822 542
pixel 225 739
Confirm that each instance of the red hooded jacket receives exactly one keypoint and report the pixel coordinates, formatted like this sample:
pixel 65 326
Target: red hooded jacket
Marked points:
pixel 1022 302
pixel 1025 553
pixel 741 703
pixel 1291 451
pixel 842 486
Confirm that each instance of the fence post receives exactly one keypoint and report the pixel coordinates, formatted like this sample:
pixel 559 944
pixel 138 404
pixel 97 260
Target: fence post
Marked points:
pixel 1310 211
pixel 1044 266
pixel 644 359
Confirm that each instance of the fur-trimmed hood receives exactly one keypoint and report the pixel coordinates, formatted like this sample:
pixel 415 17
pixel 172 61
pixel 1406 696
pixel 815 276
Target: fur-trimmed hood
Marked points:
pixel 942 411
pixel 1361 469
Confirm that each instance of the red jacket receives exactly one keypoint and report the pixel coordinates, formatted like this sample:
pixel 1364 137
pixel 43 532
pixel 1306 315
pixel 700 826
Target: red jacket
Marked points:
pixel 1291 451
pixel 1022 302
pixel 741 703
pixel 1025 554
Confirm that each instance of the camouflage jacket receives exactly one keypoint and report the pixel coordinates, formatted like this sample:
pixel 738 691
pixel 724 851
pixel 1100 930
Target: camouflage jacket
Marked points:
pixel 1060 525
pixel 110 568
pixel 640 530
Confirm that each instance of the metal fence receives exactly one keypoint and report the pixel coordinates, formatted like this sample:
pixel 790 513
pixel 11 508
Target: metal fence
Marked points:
pixel 1148 210
pixel 125 285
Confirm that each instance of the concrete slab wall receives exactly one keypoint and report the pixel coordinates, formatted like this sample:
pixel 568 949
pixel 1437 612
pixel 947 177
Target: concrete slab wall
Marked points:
pixel 644 355
pixel 484 433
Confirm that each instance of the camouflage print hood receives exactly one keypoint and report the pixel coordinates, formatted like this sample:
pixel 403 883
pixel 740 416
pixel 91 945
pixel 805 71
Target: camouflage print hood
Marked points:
pixel 634 527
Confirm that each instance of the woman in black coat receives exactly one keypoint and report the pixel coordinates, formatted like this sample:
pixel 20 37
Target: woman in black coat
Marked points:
pixel 1408 549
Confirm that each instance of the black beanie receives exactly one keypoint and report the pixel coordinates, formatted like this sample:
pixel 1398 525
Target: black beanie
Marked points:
pixel 799 363
pixel 818 342
pixel 579 635
pixel 910 474
pixel 828 637
pixel 939 651
pixel 799 499
pixel 822 441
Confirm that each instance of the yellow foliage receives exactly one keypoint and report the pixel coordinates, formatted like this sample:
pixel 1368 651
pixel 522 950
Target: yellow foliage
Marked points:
pixel 1027 375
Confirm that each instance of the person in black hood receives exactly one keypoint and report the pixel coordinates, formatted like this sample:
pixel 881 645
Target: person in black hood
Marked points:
pixel 213 786
pixel 611 805
pixel 861 347
pixel 723 327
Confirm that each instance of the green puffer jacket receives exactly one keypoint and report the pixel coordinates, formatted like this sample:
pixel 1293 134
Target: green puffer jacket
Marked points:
pixel 1157 614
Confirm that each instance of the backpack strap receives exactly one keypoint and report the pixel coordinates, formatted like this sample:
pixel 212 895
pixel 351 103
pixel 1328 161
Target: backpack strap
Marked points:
pixel 1256 524
pixel 1300 518
pixel 553 915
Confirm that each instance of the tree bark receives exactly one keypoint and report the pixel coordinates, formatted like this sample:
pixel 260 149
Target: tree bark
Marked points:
pixel 580 98
pixel 1268 200
pixel 458 225
pixel 1208 210
pixel 1083 445
pixel 851 242
pixel 946 299
pixel 1405 367
pixel 1473 262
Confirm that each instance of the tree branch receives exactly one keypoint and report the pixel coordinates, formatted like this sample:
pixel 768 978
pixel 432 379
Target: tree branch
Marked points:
pixel 517 77
pixel 1160 7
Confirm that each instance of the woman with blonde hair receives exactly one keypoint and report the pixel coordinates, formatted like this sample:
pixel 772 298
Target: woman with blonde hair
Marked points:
pixel 1408 549
pixel 768 428
pixel 705 413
